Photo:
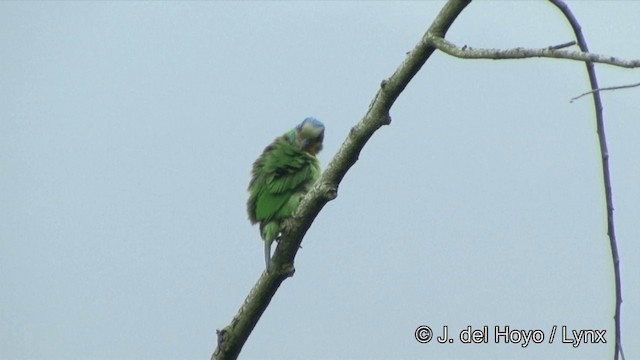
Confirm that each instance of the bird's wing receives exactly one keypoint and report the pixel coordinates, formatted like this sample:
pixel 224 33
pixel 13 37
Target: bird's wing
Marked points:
pixel 288 171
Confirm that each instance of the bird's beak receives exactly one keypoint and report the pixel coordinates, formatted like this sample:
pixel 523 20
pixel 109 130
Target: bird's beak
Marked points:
pixel 314 148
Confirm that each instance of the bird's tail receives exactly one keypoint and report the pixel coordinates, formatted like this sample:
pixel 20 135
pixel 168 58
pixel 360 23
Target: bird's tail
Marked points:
pixel 267 254
pixel 269 233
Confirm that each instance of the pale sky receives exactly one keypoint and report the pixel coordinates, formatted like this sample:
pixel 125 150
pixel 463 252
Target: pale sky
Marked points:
pixel 127 134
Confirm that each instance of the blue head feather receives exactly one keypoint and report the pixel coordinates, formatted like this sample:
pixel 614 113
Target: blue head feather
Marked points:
pixel 310 134
pixel 310 121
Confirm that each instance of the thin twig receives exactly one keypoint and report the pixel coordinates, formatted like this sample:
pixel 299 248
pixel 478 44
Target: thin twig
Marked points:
pixel 467 52
pixel 561 46
pixel 605 89
pixel 605 168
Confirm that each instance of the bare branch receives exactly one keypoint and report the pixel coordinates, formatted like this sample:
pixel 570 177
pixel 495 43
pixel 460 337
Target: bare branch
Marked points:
pixel 604 153
pixel 467 52
pixel 605 89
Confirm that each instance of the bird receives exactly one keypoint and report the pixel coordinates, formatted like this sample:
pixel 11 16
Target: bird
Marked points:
pixel 281 176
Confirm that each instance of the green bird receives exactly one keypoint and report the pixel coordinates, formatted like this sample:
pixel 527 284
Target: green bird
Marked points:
pixel 281 176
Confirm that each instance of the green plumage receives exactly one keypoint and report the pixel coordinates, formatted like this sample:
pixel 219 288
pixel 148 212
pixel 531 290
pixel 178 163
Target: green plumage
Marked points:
pixel 281 176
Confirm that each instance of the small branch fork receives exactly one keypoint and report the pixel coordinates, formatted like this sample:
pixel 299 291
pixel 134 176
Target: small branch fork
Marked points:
pixel 589 59
pixel 554 52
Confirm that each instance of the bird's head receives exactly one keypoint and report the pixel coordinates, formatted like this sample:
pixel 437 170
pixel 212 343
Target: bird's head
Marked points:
pixel 309 135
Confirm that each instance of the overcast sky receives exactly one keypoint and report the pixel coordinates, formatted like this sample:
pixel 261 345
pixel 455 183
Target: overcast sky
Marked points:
pixel 127 134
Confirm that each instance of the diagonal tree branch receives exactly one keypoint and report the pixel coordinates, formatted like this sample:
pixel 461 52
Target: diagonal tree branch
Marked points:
pixel 233 336
pixel 605 168
pixel 466 52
